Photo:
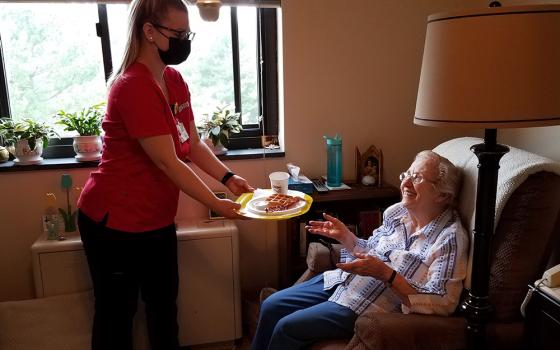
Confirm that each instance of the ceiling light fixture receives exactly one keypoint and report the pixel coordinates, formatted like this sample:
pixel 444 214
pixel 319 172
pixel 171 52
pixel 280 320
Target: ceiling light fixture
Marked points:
pixel 209 9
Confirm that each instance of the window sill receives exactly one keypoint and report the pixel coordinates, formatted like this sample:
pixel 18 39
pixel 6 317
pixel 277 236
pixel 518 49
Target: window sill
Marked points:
pixel 72 163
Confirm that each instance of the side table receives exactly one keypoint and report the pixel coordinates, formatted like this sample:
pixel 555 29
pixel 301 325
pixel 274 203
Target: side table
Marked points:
pixel 542 318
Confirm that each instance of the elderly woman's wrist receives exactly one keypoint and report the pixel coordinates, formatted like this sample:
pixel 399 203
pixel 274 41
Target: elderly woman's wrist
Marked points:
pixel 390 275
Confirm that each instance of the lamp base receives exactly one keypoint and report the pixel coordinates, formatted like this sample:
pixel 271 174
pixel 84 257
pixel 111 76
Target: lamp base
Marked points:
pixel 477 305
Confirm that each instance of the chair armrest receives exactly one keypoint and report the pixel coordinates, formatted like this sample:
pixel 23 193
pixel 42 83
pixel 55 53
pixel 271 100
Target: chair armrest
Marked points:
pixel 320 259
pixel 408 331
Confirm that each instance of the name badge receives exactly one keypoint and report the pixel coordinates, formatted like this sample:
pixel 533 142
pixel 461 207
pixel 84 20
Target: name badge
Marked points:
pixel 183 135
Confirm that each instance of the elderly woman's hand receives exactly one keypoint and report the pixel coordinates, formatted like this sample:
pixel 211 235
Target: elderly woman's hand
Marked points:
pixel 367 265
pixel 335 229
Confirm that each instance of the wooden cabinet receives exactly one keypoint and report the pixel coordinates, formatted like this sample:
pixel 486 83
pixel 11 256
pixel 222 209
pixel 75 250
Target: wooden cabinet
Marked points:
pixel 359 207
pixel 209 300
pixel 542 319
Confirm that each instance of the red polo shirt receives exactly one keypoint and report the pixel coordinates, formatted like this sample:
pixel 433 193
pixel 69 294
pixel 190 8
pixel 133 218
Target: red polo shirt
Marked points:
pixel 137 195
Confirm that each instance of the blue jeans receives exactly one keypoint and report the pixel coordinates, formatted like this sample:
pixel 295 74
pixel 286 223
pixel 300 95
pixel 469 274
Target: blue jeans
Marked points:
pixel 301 315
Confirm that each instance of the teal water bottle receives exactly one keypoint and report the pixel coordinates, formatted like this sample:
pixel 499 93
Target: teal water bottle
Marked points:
pixel 334 160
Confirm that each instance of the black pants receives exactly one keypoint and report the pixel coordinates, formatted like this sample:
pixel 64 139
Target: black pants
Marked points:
pixel 121 265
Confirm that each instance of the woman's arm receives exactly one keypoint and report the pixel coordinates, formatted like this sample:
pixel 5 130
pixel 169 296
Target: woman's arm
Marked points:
pixel 161 151
pixel 205 159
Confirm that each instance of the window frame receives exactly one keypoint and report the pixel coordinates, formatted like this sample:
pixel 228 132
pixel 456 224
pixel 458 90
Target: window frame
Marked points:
pixel 267 81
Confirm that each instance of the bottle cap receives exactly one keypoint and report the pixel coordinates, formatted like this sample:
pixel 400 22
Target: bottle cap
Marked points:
pixel 334 141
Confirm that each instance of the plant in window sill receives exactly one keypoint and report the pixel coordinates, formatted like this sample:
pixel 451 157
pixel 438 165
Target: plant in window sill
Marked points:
pixel 218 127
pixel 87 123
pixel 26 139
pixel 68 215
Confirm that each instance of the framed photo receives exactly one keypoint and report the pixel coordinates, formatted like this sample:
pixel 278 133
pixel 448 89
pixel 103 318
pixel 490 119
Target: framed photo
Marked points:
pixel 212 214
pixel 369 166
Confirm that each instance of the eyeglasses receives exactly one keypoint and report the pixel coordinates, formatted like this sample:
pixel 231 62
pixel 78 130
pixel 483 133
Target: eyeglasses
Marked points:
pixel 181 34
pixel 416 178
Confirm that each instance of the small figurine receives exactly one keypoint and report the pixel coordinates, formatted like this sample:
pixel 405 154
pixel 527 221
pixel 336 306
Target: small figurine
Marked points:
pixel 369 173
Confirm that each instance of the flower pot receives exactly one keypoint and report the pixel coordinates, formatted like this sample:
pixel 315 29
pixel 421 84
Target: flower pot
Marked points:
pixel 25 155
pixel 4 155
pixel 216 149
pixel 219 149
pixel 87 148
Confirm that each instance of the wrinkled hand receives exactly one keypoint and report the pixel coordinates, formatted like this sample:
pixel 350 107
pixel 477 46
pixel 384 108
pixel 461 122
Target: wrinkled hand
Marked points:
pixel 332 228
pixel 367 265
pixel 228 209
pixel 238 185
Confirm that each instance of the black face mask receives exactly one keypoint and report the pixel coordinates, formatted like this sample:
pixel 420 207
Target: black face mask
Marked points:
pixel 179 50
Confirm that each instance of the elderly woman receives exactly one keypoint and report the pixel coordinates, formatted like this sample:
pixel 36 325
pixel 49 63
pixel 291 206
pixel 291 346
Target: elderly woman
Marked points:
pixel 414 263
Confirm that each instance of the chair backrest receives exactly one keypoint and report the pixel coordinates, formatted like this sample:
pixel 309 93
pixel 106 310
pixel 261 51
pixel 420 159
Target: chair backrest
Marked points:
pixel 527 226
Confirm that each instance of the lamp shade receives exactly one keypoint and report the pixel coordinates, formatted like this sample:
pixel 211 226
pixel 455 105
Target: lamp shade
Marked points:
pixel 491 68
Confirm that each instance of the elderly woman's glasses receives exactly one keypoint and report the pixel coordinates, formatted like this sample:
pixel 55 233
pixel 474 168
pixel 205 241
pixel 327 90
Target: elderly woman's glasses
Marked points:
pixel 416 178
pixel 181 34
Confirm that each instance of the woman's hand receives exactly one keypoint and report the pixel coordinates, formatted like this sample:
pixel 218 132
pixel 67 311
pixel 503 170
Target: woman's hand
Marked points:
pixel 238 185
pixel 335 229
pixel 367 265
pixel 227 208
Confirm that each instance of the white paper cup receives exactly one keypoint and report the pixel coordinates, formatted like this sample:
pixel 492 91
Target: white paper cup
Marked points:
pixel 279 182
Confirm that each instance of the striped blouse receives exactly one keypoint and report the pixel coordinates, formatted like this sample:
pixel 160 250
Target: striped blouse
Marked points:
pixel 433 260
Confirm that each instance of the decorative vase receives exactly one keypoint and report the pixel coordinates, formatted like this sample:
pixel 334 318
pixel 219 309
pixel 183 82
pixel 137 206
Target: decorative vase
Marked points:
pixel 219 149
pixel 216 149
pixel 4 155
pixel 25 155
pixel 87 148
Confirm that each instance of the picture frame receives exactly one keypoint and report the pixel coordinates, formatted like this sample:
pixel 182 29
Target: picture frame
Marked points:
pixel 369 167
pixel 212 215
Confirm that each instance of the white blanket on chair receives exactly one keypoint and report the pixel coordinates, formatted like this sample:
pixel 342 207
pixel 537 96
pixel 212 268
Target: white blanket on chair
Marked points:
pixel 515 167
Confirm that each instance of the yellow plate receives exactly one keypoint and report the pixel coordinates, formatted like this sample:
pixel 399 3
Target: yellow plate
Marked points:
pixel 245 198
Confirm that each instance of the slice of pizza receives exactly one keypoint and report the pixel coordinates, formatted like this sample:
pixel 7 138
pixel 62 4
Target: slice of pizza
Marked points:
pixel 280 202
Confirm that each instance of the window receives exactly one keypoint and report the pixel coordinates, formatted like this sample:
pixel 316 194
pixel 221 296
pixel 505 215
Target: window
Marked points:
pixel 51 57
pixel 57 56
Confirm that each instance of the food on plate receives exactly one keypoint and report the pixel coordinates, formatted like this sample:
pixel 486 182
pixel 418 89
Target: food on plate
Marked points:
pixel 280 202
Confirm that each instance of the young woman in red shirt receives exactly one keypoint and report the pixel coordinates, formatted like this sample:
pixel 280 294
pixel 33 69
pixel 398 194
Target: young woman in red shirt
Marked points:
pixel 128 205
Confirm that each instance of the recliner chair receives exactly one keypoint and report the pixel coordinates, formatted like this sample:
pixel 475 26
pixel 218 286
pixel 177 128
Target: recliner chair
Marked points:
pixel 526 242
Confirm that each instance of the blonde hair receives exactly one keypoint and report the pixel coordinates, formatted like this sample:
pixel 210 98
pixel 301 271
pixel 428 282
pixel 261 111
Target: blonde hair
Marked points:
pixel 142 11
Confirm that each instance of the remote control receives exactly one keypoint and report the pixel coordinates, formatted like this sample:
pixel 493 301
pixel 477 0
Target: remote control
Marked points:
pixel 320 186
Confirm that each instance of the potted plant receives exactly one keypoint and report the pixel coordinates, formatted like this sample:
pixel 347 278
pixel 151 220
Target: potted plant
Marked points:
pixel 26 139
pixel 87 123
pixel 218 127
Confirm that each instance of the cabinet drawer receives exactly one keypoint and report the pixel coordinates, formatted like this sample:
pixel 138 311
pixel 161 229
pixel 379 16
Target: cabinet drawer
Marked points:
pixel 64 272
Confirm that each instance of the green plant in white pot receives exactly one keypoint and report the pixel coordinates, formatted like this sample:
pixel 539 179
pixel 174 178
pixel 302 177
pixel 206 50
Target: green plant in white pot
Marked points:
pixel 87 123
pixel 218 127
pixel 26 139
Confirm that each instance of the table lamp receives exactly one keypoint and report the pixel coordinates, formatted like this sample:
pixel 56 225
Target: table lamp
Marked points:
pixel 491 68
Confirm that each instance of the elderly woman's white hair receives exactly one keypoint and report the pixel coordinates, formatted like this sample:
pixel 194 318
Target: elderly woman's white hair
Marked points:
pixel 449 176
